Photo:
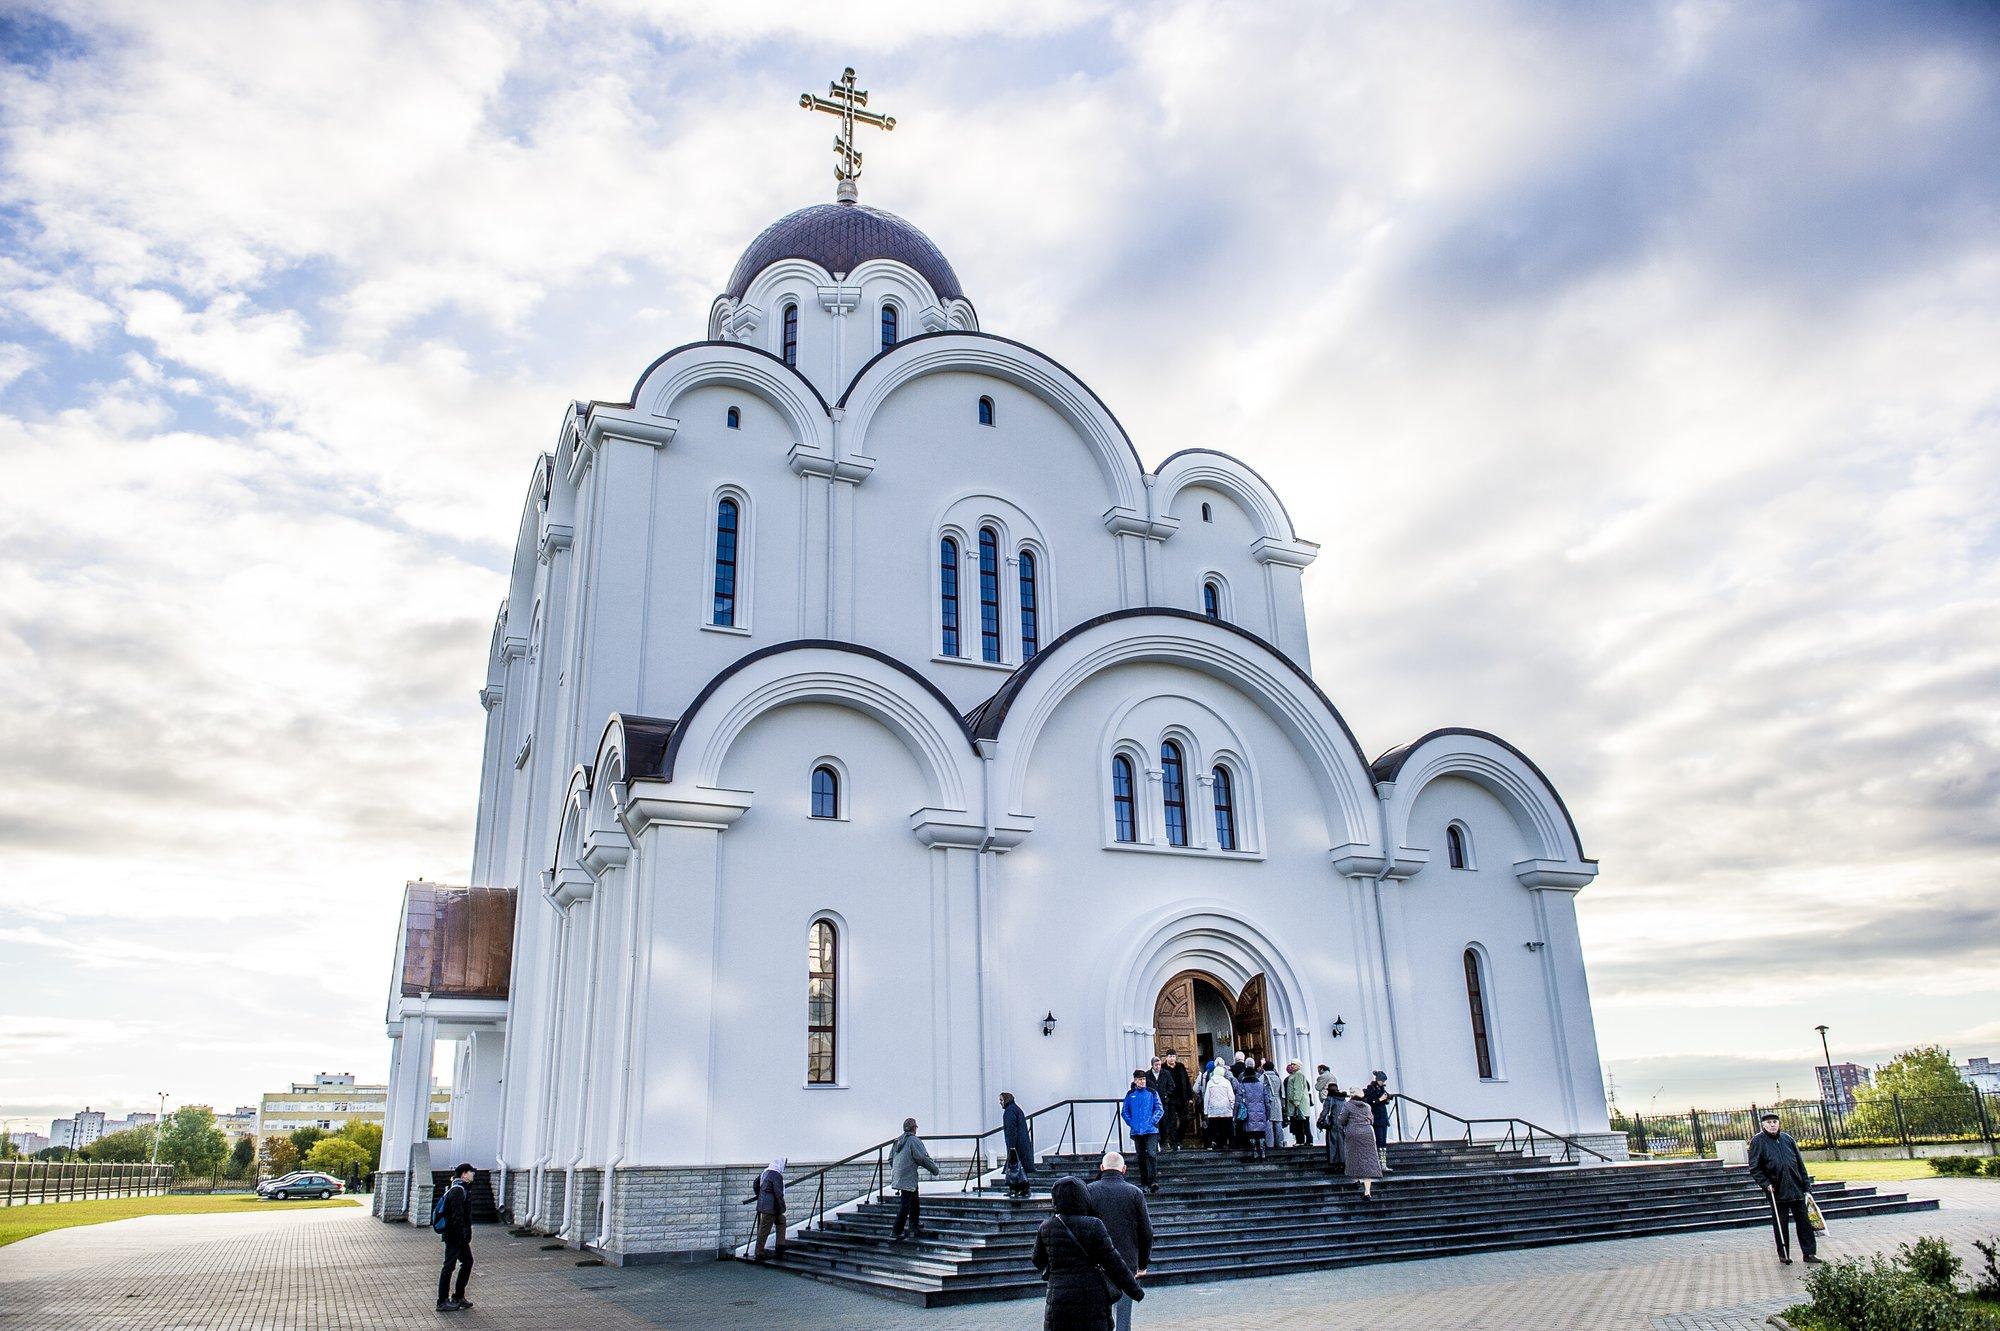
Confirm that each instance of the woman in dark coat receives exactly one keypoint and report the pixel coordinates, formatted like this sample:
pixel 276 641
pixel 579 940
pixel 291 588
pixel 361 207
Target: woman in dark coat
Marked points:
pixel 1254 1097
pixel 1019 1136
pixel 1356 1123
pixel 1074 1253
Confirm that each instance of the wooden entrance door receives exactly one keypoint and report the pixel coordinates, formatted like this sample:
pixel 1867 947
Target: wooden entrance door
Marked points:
pixel 1173 1018
pixel 1253 1020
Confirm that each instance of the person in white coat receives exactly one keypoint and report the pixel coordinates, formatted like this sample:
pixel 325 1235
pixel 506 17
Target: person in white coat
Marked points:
pixel 1218 1105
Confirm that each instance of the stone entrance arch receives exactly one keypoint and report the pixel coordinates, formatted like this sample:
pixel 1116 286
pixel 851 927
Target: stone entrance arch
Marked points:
pixel 1182 1026
pixel 1162 959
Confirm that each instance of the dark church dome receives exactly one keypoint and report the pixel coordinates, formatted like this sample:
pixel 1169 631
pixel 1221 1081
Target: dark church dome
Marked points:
pixel 840 237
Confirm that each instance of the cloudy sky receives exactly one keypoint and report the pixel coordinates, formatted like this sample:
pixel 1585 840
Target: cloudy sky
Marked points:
pixel 1638 368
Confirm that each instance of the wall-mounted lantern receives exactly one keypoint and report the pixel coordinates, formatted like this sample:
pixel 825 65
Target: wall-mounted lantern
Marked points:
pixel 1339 1026
pixel 1049 1023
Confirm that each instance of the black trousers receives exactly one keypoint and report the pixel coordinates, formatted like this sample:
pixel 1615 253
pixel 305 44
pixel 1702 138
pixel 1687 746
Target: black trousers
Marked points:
pixel 1145 1146
pixel 1793 1213
pixel 1170 1125
pixel 457 1254
pixel 906 1211
pixel 1220 1130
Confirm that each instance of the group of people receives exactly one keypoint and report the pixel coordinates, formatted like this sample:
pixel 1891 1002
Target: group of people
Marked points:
pixel 1248 1105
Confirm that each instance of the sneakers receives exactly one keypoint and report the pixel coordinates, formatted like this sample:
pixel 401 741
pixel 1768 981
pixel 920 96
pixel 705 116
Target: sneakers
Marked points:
pixel 1815 1261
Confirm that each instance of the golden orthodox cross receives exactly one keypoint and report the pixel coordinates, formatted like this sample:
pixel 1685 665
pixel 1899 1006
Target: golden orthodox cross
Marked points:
pixel 845 100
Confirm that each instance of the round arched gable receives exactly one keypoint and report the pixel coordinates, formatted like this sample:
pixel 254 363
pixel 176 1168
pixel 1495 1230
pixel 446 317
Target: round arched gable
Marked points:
pixel 1501 769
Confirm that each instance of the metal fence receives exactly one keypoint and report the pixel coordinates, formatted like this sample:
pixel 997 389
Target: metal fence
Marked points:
pixel 1889 1121
pixel 24 1182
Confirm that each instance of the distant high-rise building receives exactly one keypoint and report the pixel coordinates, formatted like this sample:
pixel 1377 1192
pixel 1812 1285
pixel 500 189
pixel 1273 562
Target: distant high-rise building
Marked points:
pixel 1981 1075
pixel 28 1143
pixel 1837 1087
pixel 331 1100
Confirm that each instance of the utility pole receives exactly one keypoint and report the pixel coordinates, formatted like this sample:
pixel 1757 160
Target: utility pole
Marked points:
pixel 159 1126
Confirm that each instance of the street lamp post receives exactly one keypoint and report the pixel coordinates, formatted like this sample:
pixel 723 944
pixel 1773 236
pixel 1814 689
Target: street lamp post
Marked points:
pixel 1832 1087
pixel 159 1126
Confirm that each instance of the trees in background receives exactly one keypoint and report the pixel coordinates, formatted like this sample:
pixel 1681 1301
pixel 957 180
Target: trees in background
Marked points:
pixel 339 1156
pixel 191 1142
pixel 1926 1086
pixel 438 1128
pixel 368 1136
pixel 304 1139
pixel 280 1156
pixel 129 1146
pixel 242 1159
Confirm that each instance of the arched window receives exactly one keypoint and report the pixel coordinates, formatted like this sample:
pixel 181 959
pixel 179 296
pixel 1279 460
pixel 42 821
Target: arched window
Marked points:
pixel 735 419
pixel 1124 813
pixel 726 515
pixel 1207 513
pixel 948 595
pixel 986 411
pixel 1173 791
pixel 1475 997
pixel 888 325
pixel 791 343
pixel 1030 636
pixel 822 948
pixel 1225 810
pixel 825 792
pixel 1211 599
pixel 1455 848
pixel 989 594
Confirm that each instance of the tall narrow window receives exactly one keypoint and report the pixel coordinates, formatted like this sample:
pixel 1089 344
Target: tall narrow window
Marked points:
pixel 1475 996
pixel 791 343
pixel 1207 513
pixel 1225 810
pixel 888 326
pixel 725 564
pixel 825 793
pixel 989 594
pixel 1030 634
pixel 1173 791
pixel 1454 846
pixel 1211 600
pixel 948 595
pixel 822 947
pixel 735 419
pixel 1124 814
pixel 986 411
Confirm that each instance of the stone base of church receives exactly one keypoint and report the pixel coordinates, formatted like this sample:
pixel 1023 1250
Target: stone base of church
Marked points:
pixel 549 1205
pixel 690 1213
pixel 391 1190
pixel 515 1208
pixel 1612 1144
pixel 581 1208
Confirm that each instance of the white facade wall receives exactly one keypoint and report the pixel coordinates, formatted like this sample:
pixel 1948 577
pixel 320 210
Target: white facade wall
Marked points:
pixel 656 1015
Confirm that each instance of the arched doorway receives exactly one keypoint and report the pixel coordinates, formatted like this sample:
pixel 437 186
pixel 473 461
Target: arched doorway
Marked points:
pixel 1196 1017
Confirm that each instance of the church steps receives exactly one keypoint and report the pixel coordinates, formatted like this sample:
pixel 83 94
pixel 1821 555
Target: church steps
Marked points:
pixel 1359 1221
pixel 1298 1216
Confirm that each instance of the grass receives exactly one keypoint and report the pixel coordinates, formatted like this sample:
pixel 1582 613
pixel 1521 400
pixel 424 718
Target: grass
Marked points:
pixel 20 1222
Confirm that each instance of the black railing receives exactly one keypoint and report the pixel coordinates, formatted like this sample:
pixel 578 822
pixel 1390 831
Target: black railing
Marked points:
pixel 25 1182
pixel 1412 1120
pixel 876 1161
pixel 1871 1121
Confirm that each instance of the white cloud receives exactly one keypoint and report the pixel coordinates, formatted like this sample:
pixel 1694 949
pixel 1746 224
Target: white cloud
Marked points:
pixel 1633 368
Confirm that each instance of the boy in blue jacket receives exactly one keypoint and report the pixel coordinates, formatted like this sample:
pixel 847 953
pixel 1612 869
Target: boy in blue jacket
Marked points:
pixel 1142 1111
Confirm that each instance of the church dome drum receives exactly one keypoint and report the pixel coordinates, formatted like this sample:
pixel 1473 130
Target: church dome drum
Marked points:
pixel 840 237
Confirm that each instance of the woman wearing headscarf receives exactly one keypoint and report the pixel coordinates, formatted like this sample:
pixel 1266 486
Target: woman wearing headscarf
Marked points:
pixel 1075 1255
pixel 1254 1108
pixel 770 1208
pixel 1360 1159
pixel 1218 1105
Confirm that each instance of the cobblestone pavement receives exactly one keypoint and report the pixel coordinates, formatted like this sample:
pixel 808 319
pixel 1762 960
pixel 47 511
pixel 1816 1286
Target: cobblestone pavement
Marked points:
pixel 339 1269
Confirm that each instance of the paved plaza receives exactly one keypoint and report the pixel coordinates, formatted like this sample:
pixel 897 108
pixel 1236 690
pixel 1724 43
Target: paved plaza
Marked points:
pixel 339 1269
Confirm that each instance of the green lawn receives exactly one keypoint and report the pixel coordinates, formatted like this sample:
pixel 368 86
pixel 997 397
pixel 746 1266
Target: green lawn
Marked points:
pixel 20 1222
pixel 1872 1171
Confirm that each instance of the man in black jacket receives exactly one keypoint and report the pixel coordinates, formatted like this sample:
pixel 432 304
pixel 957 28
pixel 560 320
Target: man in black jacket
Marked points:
pixel 457 1242
pixel 1122 1208
pixel 1776 1163
pixel 1018 1135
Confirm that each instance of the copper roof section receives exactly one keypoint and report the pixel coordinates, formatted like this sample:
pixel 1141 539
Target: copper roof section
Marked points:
pixel 458 942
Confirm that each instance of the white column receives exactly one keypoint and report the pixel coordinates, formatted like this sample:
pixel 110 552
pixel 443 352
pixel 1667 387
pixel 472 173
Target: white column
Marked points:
pixel 1578 1076
pixel 679 868
pixel 407 1112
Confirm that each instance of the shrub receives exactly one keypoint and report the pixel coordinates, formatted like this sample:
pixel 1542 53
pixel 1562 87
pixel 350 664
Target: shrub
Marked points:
pixel 1932 1261
pixel 1877 1296
pixel 1987 1283
pixel 1959 1166
pixel 1993 1166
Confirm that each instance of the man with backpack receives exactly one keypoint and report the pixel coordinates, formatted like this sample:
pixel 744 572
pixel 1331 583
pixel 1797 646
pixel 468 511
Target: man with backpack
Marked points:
pixel 451 1217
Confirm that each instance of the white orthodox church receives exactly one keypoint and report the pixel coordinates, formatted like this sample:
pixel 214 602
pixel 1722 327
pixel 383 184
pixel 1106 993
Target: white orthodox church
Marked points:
pixel 871 729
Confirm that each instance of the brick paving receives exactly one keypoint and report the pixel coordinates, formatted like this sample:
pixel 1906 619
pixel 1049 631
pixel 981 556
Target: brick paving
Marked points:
pixel 331 1270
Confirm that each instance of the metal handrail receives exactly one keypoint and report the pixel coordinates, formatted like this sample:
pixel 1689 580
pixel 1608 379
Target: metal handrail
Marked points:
pixel 1513 1140
pixel 975 1167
